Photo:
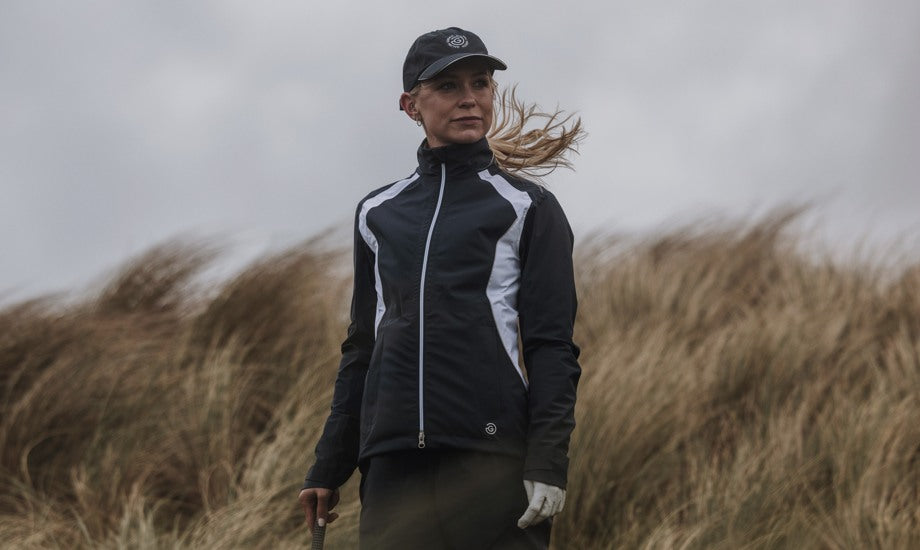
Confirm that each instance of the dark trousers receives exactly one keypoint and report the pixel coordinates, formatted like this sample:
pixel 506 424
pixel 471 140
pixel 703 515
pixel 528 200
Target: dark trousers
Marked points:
pixel 456 500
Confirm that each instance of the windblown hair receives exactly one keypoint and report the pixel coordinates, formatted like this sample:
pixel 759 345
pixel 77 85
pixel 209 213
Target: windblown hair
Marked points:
pixel 531 142
pixel 533 152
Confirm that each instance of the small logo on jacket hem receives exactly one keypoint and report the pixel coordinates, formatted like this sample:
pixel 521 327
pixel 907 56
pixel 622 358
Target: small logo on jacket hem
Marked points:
pixel 491 428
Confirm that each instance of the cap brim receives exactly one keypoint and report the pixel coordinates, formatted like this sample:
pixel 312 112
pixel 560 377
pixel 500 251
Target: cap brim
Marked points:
pixel 438 66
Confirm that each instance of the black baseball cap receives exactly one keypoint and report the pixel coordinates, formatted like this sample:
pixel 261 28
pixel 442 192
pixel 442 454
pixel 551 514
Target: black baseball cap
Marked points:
pixel 433 52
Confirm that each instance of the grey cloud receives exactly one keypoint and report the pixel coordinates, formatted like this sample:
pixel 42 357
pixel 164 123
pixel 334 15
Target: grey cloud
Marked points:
pixel 126 124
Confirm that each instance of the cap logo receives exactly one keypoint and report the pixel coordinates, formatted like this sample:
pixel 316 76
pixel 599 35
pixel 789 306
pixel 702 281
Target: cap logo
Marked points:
pixel 457 41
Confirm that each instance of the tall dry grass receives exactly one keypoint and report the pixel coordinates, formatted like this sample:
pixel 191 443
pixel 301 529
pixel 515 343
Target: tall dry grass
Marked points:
pixel 737 393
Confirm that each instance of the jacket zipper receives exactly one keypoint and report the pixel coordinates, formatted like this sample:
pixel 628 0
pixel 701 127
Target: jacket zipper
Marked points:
pixel 421 315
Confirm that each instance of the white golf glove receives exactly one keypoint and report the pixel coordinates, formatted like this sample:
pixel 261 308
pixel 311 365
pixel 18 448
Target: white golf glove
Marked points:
pixel 545 501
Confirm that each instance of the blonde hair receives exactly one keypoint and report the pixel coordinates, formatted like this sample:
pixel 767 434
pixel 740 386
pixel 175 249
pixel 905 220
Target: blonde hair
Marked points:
pixel 533 152
pixel 537 151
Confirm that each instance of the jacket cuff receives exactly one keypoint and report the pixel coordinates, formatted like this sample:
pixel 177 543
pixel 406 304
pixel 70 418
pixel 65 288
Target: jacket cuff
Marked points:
pixel 314 483
pixel 327 476
pixel 547 466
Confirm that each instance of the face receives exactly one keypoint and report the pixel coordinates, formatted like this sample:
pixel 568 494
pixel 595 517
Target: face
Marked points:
pixel 455 106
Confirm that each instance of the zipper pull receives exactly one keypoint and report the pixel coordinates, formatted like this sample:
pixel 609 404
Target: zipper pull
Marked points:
pixel 421 440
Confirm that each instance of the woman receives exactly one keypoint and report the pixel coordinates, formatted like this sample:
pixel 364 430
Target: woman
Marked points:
pixel 452 265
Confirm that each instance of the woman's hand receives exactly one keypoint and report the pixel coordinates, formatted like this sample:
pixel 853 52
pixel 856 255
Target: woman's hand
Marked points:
pixel 545 501
pixel 317 504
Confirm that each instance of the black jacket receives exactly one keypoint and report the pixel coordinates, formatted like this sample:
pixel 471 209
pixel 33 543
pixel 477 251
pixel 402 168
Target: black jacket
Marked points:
pixel 449 264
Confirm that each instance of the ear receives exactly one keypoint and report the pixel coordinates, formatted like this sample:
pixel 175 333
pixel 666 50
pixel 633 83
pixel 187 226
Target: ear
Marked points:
pixel 407 102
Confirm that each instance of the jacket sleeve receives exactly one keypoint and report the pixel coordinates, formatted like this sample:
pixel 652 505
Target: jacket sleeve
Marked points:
pixel 546 306
pixel 337 449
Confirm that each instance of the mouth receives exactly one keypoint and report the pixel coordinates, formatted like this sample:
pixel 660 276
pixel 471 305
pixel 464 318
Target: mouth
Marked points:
pixel 468 119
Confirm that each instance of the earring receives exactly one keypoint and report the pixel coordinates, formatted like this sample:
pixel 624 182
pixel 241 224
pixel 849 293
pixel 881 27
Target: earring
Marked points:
pixel 418 121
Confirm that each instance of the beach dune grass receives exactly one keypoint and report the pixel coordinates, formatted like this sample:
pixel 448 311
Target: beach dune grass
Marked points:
pixel 737 392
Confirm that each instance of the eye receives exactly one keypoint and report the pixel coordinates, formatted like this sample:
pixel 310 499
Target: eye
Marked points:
pixel 481 83
pixel 447 85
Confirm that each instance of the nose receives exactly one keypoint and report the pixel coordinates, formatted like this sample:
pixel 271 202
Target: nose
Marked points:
pixel 468 99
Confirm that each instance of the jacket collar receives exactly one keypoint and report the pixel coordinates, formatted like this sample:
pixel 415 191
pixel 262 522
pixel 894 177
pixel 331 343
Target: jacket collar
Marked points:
pixel 471 157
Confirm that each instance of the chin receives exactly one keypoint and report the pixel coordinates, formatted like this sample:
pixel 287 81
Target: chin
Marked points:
pixel 457 138
pixel 469 137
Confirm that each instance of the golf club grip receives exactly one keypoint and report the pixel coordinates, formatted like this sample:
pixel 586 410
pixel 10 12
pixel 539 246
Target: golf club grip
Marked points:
pixel 319 536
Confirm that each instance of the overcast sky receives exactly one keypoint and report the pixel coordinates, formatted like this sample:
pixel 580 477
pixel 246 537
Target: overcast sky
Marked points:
pixel 123 124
